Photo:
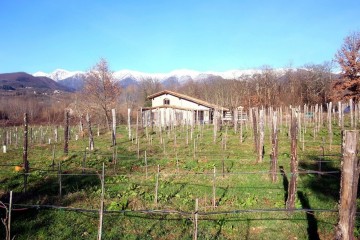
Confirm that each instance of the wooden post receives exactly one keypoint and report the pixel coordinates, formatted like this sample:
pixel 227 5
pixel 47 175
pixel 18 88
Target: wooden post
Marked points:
pixel 56 136
pixel 66 132
pixel 146 119
pixel 25 151
pixel 260 144
pixel 9 217
pixel 290 202
pixel 113 135
pixel 196 219
pixel 289 125
pixel 281 118
pixel 129 123
pixel 241 126
pixel 348 186
pixel 69 133
pixel 81 126
pixel 236 118
pixel 274 149
pixel 255 131
pixel 101 212
pixel 59 179
pixel 4 141
pixel 91 137
pixel 316 117
pixel 341 115
pixel 9 137
pixel 137 127
pixel 305 116
pixel 214 189
pixel 53 158
pixel 215 120
pixel 351 106
pixel 157 185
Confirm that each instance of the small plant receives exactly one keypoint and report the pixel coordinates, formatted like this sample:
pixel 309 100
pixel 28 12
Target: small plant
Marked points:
pixel 248 201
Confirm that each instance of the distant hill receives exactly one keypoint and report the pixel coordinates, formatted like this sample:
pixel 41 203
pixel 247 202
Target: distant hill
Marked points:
pixel 24 82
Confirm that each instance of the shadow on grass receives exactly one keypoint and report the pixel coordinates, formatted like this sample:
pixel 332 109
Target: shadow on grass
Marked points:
pixel 285 183
pixel 224 194
pixel 311 219
pixel 44 191
pixel 221 222
pixel 323 185
pixel 326 185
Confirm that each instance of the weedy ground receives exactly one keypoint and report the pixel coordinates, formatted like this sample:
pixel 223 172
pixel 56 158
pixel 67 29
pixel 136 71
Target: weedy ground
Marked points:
pixel 186 174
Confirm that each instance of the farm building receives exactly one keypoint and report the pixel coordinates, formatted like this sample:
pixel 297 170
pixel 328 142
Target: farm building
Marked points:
pixel 172 108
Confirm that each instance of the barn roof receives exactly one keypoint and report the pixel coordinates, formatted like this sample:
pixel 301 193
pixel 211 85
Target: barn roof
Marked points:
pixel 186 97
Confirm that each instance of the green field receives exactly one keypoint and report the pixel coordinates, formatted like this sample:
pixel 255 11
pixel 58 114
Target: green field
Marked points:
pixel 247 206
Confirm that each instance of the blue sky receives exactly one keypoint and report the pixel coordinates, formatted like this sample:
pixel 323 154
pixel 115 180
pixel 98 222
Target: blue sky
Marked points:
pixel 161 36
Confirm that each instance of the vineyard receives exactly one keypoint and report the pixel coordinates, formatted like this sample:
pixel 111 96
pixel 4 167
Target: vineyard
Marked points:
pixel 175 182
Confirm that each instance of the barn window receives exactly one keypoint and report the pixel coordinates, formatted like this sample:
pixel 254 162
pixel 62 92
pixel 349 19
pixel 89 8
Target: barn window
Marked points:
pixel 166 101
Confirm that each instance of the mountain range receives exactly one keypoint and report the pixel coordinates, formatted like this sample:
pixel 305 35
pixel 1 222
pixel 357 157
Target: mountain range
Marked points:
pixel 64 80
pixel 21 82
pixel 74 79
pixel 181 74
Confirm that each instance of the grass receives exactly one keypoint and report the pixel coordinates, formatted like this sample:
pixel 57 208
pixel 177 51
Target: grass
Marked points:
pixel 184 176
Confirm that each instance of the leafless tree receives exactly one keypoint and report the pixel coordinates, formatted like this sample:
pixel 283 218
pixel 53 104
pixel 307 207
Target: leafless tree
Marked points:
pixel 348 58
pixel 149 86
pixel 101 91
pixel 316 82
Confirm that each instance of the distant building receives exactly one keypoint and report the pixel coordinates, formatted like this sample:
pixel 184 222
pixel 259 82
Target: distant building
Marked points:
pixel 172 108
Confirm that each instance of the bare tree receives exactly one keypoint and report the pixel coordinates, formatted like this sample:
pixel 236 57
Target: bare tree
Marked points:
pixel 348 57
pixel 101 91
pixel 315 82
pixel 149 86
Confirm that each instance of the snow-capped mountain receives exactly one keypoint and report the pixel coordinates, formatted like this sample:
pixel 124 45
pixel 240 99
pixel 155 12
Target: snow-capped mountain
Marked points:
pixel 58 74
pixel 181 75
pixel 75 79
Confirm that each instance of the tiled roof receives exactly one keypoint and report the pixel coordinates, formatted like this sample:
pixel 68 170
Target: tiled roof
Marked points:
pixel 186 97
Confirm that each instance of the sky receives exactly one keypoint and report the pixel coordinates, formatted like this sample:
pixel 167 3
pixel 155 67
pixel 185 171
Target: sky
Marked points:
pixel 161 36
